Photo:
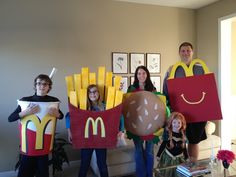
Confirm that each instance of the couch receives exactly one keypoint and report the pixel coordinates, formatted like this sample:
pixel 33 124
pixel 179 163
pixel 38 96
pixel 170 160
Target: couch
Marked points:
pixel 120 161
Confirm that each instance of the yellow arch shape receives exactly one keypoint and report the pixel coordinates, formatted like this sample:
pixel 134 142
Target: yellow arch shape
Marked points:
pixel 40 130
pixel 188 70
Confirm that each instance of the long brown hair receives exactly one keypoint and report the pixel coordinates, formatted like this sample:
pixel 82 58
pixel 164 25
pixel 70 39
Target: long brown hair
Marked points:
pixel 173 116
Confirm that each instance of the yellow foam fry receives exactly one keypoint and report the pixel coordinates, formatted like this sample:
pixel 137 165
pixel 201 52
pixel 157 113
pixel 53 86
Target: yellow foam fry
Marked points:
pixel 118 97
pixel 101 81
pixel 163 98
pixel 117 81
pixel 78 85
pixel 110 98
pixel 109 79
pixel 108 83
pixel 73 98
pixel 69 84
pixel 85 77
pixel 92 78
pixel 83 99
pixel 159 132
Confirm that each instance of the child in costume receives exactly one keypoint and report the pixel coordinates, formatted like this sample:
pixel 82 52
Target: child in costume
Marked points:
pixel 173 150
pixel 94 104
pixel 37 164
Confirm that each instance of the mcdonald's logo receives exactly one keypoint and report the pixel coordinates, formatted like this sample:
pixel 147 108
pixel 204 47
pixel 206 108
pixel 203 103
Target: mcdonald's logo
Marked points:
pixel 94 127
pixel 188 70
pixel 41 126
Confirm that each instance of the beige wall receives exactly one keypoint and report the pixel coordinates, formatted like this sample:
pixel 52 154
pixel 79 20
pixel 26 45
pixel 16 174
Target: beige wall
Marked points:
pixel 37 35
pixel 207 32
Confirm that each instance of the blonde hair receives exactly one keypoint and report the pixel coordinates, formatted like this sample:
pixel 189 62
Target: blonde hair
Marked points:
pixel 173 116
pixel 98 102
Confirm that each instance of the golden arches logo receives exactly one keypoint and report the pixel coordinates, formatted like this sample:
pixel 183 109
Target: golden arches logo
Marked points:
pixel 40 130
pixel 94 127
pixel 188 70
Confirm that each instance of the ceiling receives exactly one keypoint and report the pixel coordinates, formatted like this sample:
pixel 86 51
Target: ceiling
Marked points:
pixel 190 4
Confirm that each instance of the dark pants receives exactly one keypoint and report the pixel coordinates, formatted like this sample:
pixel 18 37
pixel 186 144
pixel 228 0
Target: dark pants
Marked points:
pixel 86 155
pixel 31 166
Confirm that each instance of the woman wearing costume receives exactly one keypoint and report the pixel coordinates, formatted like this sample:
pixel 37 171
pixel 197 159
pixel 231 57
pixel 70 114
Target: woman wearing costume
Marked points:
pixel 144 157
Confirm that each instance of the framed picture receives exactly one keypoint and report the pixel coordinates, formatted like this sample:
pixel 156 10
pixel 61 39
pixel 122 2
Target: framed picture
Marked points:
pixel 156 80
pixel 154 63
pixel 124 84
pixel 119 63
pixel 131 80
pixel 136 59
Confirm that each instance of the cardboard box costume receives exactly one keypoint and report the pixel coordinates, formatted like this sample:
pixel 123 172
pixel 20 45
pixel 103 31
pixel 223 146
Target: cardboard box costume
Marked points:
pixel 37 130
pixel 195 96
pixel 94 129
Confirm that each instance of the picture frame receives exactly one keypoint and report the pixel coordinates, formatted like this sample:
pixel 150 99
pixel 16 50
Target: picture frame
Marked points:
pixel 131 80
pixel 154 63
pixel 119 63
pixel 136 59
pixel 156 81
pixel 124 84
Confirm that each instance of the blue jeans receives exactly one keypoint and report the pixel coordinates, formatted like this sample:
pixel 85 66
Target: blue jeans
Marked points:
pixel 144 158
pixel 86 155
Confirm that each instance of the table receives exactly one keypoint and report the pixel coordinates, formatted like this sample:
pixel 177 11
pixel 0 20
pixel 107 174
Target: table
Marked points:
pixel 216 167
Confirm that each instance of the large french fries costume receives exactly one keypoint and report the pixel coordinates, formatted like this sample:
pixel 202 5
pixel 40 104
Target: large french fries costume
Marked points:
pixel 37 130
pixel 91 129
pixel 195 96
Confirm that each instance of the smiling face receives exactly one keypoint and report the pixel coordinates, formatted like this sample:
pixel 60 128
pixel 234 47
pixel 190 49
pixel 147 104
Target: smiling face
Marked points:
pixel 176 125
pixel 186 54
pixel 42 87
pixel 93 94
pixel 142 76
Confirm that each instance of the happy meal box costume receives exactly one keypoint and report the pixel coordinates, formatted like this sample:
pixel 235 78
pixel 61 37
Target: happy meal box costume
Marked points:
pixel 195 96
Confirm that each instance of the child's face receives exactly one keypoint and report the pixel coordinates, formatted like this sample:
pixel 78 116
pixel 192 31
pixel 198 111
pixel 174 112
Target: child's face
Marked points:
pixel 93 94
pixel 42 87
pixel 176 125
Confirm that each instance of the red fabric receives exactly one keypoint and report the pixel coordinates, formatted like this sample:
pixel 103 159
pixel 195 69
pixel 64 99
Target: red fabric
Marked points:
pixel 30 143
pixel 111 120
pixel 192 88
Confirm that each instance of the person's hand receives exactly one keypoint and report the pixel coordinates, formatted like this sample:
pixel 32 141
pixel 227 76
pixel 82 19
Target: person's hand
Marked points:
pixel 53 112
pixel 69 136
pixel 120 134
pixel 31 109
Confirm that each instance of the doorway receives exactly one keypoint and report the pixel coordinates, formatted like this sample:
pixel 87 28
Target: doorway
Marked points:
pixel 227 78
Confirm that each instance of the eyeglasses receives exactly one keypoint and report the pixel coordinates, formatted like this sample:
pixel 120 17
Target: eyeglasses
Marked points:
pixel 42 83
pixel 93 92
